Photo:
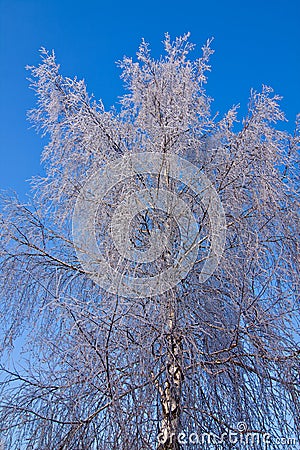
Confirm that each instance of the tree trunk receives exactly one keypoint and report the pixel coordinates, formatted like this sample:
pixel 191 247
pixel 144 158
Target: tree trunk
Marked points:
pixel 170 392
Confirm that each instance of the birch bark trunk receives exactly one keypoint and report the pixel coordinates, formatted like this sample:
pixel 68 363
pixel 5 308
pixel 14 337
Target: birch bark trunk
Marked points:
pixel 170 392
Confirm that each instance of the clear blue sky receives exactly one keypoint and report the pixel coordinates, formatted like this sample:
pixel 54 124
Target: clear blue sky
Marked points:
pixel 256 42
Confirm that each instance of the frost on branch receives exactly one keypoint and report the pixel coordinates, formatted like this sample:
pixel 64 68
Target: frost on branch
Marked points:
pixel 82 135
pixel 166 99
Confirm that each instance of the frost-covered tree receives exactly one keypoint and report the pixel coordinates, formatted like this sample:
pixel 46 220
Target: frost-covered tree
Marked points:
pixel 103 369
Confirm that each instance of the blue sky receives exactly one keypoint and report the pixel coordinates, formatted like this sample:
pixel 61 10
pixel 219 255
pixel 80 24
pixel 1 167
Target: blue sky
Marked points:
pixel 255 42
